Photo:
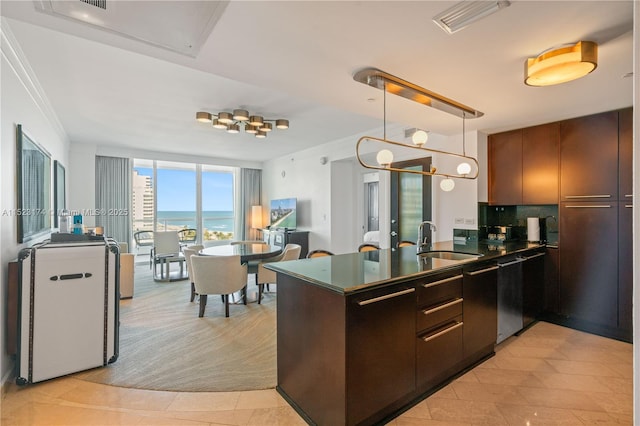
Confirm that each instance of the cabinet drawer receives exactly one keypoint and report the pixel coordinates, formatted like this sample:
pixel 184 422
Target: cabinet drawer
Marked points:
pixel 438 353
pixel 441 289
pixel 434 315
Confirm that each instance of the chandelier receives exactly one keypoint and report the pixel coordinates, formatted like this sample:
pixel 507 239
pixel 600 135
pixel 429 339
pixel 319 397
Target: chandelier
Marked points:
pixel 390 83
pixel 231 122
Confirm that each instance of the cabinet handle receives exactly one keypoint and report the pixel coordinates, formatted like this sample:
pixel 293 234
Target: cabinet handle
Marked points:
pixel 443 306
pixel 385 297
pixel 629 195
pixel 629 206
pixel 445 331
pixel 446 280
pixel 513 262
pixel 534 256
pixel 596 206
pixel 588 196
pixel 482 271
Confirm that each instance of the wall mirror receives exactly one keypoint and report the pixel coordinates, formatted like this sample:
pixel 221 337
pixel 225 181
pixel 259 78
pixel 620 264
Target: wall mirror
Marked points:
pixel 33 178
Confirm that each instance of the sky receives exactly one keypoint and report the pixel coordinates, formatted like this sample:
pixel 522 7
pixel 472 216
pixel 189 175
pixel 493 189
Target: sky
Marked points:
pixel 176 189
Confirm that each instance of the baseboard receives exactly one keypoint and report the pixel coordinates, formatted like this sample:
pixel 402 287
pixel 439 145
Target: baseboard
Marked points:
pixel 600 330
pixel 7 380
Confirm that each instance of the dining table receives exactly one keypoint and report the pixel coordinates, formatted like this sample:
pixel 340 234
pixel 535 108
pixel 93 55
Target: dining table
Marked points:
pixel 247 252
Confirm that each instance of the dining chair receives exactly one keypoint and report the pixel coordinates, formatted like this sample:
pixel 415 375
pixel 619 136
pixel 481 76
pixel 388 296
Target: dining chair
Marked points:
pixel 368 247
pixel 166 249
pixel 188 252
pixel 223 275
pixel 266 276
pixel 187 236
pixel 406 243
pixel 252 265
pixel 144 239
pixel 318 253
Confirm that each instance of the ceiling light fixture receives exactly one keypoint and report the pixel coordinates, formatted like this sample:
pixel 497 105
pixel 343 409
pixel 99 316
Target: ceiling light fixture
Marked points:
pixel 466 12
pixel 384 158
pixel 253 124
pixel 562 64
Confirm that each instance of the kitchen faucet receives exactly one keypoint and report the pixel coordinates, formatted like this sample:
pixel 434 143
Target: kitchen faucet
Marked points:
pixel 425 240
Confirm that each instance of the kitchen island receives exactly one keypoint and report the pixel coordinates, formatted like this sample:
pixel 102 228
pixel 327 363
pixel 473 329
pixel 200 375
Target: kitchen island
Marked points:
pixel 363 336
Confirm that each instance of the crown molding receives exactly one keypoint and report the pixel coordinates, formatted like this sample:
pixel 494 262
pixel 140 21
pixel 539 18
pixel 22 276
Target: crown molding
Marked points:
pixel 15 57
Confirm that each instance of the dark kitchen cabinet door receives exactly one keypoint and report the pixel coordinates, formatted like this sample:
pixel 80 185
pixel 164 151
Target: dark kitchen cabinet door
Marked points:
pixel 625 141
pixel 589 262
pixel 625 265
pixel 505 168
pixel 480 310
pixel 589 158
pixel 381 350
pixel 540 164
pixel 533 272
pixel 552 280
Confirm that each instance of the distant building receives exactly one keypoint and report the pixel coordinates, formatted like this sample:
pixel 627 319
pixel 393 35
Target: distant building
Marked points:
pixel 142 202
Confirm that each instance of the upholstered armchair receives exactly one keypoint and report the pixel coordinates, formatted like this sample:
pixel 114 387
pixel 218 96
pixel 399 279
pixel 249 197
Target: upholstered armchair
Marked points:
pixel 188 252
pixel 222 275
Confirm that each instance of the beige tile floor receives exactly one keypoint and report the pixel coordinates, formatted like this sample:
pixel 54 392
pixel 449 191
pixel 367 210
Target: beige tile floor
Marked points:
pixel 549 375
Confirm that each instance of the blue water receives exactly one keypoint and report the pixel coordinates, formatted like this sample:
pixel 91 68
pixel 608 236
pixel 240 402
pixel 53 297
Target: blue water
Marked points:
pixel 221 221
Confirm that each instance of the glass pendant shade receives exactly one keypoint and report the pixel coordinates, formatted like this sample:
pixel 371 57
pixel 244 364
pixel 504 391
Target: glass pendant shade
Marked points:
pixel 464 168
pixel 447 184
pixel 420 137
pixel 384 158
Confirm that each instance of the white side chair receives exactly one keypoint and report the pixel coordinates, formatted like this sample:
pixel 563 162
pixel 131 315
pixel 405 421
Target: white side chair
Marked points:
pixel 222 275
pixel 252 265
pixel 188 252
pixel 166 250
pixel 266 276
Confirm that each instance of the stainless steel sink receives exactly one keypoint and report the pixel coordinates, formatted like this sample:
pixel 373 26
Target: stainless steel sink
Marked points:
pixel 448 255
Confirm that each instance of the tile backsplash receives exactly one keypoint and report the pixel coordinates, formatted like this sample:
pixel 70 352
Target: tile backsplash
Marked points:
pixel 516 217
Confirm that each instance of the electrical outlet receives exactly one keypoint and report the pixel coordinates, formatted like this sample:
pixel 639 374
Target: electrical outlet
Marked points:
pixel 459 221
pixel 469 221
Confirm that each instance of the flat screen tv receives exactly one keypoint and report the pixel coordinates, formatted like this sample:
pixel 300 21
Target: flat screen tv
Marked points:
pixel 282 213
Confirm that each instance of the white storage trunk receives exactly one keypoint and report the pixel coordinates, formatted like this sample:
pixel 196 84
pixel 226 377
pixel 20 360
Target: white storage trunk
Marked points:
pixel 68 313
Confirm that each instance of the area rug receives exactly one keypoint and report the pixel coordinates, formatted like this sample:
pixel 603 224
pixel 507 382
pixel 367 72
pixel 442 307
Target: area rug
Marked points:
pixel 165 346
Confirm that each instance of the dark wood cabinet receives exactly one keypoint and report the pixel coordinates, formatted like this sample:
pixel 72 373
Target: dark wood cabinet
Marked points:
pixel 625 146
pixel 588 262
pixel 439 328
pixel 381 350
pixel 505 168
pixel 524 166
pixel 540 164
pixel 480 314
pixel 625 267
pixel 589 158
pixel 552 281
pixel 533 274
pixel 282 237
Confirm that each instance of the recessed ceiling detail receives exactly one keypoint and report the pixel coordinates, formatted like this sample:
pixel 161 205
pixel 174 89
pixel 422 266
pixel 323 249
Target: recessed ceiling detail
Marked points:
pixel 181 26
pixel 466 12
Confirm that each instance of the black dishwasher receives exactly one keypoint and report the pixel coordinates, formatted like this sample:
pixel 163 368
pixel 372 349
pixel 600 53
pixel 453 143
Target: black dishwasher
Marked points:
pixel 509 297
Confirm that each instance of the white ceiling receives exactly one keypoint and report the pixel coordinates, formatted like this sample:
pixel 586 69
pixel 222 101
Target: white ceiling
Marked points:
pixel 296 60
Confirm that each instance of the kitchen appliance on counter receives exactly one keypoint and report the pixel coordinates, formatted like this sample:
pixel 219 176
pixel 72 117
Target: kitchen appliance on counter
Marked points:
pixel 499 234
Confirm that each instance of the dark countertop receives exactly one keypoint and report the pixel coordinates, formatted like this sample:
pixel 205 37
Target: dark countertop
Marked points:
pixel 352 272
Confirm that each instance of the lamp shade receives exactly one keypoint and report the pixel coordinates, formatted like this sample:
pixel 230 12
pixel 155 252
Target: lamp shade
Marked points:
pixel 560 65
pixel 256 217
pixel 203 117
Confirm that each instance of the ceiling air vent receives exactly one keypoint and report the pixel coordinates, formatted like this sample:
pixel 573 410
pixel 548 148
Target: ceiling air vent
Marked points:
pixel 102 4
pixel 464 13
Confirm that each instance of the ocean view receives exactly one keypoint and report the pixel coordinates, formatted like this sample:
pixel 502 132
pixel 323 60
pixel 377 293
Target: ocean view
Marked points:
pixel 221 221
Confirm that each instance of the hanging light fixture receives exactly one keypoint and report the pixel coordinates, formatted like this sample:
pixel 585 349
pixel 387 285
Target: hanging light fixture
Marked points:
pixel 561 64
pixel 256 125
pixel 387 82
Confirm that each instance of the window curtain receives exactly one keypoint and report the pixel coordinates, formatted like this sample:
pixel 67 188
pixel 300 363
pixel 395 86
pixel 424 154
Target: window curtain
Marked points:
pixel 113 197
pixel 250 195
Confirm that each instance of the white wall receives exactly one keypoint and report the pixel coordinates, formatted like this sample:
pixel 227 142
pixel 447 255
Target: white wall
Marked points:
pixel 22 102
pixel 636 211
